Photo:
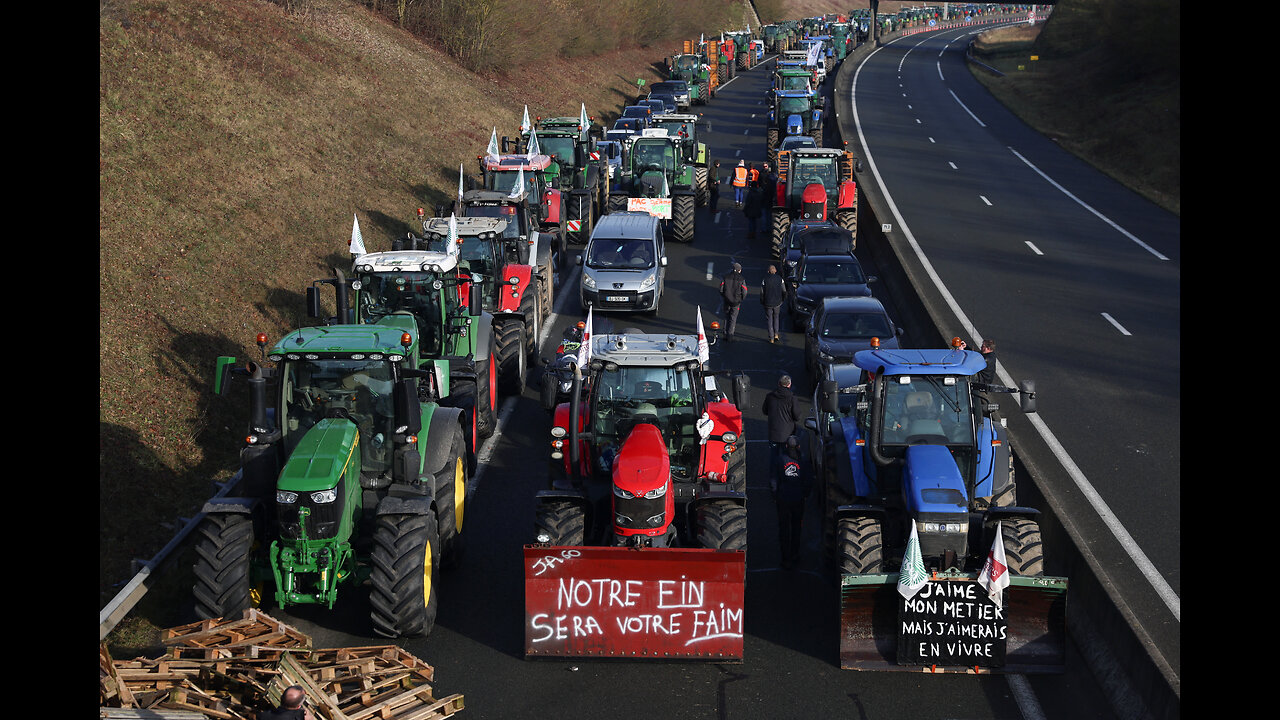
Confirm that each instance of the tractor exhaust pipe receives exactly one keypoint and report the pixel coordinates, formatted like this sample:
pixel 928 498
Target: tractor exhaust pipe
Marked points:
pixel 257 399
pixel 576 401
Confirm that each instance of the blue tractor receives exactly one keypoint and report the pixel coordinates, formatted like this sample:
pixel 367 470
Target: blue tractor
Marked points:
pixel 793 112
pixel 910 437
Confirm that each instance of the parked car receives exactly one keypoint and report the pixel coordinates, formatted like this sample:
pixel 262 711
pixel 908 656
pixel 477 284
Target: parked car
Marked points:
pixel 820 276
pixel 668 102
pixel 624 266
pixel 679 89
pixel 640 111
pixel 842 326
pixel 819 236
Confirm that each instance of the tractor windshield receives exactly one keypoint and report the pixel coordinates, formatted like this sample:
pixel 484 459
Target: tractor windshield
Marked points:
pixel 686 63
pixel 663 396
pixel 793 106
pixel 929 409
pixel 560 146
pixel 384 293
pixel 653 155
pixel 504 180
pixel 359 390
pixel 795 82
pixel 503 212
pixel 814 170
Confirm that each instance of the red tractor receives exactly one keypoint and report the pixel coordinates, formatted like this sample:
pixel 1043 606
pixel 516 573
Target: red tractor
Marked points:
pixel 814 184
pixel 501 173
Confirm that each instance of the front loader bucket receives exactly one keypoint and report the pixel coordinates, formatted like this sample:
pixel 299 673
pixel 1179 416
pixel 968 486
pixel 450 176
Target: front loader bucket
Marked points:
pixel 651 603
pixel 953 627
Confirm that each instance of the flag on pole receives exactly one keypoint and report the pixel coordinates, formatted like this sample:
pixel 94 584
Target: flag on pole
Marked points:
pixel 533 148
pixel 994 576
pixel 666 190
pixel 357 242
pixel 460 183
pixel 583 122
pixel 912 577
pixel 525 125
pixel 492 151
pixel 704 351
pixel 518 187
pixel 584 350
pixel 812 57
pixel 451 243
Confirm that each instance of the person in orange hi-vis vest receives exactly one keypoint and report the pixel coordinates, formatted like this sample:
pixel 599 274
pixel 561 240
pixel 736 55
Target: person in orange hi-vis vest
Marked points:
pixel 739 182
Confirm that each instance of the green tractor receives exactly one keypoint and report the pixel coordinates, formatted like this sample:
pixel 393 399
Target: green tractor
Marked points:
pixel 353 471
pixel 742 59
pixel 578 170
pixel 693 70
pixel 685 127
pixel 656 169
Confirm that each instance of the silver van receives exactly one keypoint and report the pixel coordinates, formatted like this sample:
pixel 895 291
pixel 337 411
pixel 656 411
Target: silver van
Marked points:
pixel 624 266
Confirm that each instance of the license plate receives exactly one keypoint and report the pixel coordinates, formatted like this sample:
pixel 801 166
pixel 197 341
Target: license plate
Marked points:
pixel 616 298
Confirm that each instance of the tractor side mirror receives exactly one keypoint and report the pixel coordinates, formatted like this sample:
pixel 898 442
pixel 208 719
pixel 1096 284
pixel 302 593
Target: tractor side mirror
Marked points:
pixel 1027 395
pixel 475 300
pixel 811 424
pixel 222 375
pixel 408 411
pixel 829 396
pixel 313 301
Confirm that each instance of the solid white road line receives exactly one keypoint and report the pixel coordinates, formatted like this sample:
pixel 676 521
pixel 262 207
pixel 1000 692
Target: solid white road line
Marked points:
pixel 1034 249
pixel 1117 325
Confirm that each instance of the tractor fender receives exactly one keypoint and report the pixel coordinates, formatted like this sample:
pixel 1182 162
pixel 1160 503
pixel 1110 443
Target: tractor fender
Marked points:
pixel 482 327
pixel 848 197
pixel 541 249
pixel 392 505
pixel 711 492
pixel 576 497
pixel 1005 513
pixel 508 302
pixel 852 511
pixel 552 202
pixel 435 450
pixel 228 505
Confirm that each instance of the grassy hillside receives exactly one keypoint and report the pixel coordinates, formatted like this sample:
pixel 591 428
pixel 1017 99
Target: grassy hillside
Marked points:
pixel 237 140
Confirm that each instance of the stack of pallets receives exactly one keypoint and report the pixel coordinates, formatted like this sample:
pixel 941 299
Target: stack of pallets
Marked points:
pixel 230 669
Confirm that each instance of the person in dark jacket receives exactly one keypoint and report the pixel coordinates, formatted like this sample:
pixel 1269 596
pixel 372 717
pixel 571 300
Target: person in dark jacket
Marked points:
pixel 769 186
pixel 290 707
pixel 713 184
pixel 773 293
pixel 733 290
pixel 752 208
pixel 791 485
pixel 782 409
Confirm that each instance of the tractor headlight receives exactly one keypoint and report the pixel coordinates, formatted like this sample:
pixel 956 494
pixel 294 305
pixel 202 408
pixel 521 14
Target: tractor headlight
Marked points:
pixel 543 536
pixel 622 493
pixel 286 497
pixel 951 527
pixel 324 496
pixel 729 438
pixel 656 493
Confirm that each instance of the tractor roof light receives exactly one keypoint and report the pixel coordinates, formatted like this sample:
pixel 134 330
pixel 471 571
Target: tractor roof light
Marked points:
pixel 422 213
pixel 406 339
pixel 251 440
pixel 955 342
pixel 262 339
pixel 875 343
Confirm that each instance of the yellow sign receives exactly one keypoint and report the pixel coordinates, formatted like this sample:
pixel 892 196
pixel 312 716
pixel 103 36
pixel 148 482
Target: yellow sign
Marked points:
pixel 1035 57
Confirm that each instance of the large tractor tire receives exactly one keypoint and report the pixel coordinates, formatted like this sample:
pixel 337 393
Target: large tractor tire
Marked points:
pixel 485 401
pixel 682 216
pixel 723 72
pixel 510 355
pixel 451 497
pixel 704 93
pixel 222 587
pixel 406 569
pixel 816 134
pixel 700 179
pixel 533 314
pixel 737 467
pixel 579 208
pixel 617 203
pixel 1023 546
pixel 722 525
pixel 564 522
pixel 848 219
pixel 546 293
pixel 778 236
pixel 860 544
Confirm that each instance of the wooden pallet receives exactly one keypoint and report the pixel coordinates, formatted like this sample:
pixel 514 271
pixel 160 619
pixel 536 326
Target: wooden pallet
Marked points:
pixel 367 683
pixel 255 635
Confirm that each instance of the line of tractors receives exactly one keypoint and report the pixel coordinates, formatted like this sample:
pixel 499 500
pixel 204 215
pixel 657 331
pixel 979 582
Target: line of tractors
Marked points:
pixel 364 429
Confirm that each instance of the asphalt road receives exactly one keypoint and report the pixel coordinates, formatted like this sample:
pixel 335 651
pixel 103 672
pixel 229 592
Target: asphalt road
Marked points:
pixel 1078 279
pixel 790 667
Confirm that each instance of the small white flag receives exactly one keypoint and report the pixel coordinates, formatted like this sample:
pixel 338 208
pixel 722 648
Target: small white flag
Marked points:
pixel 704 351
pixel 584 350
pixel 666 190
pixel 492 151
pixel 357 242
pixel 912 577
pixel 702 39
pixel 533 148
pixel 994 576
pixel 518 187
pixel 583 122
pixel 525 125
pixel 459 183
pixel 451 244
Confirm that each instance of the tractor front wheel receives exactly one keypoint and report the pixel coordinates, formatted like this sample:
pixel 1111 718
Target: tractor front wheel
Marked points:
pixel 722 525
pixel 781 223
pixel 700 177
pixel 451 496
pixel 406 569
pixel 861 545
pixel 222 587
pixel 1023 546
pixel 511 354
pixel 682 216
pixel 563 523
pixel 486 402
pixel 848 219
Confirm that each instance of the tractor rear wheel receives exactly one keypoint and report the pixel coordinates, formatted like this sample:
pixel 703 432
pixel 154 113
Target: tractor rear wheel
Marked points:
pixel 722 525
pixel 860 545
pixel 486 405
pixel 703 93
pixel 451 496
pixel 848 219
pixel 771 144
pixel 700 182
pixel 529 305
pixel 563 523
pixel 682 214
pixel 781 223
pixel 579 210
pixel 222 587
pixel 510 353
pixel 1023 546
pixel 736 470
pixel 406 569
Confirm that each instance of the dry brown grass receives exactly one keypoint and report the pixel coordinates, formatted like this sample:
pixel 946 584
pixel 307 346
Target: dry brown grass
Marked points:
pixel 237 139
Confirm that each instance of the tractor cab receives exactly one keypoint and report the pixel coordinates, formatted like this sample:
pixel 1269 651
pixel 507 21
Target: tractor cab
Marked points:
pixel 481 256
pixel 684 127
pixel 654 158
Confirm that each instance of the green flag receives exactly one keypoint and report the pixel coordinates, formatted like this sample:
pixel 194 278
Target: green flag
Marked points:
pixel 912 576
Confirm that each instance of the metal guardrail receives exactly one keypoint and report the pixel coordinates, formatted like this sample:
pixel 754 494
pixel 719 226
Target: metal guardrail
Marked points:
pixel 128 597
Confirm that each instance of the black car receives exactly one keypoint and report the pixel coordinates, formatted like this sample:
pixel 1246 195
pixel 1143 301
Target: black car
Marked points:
pixel 815 237
pixel 668 100
pixel 820 276
pixel 840 327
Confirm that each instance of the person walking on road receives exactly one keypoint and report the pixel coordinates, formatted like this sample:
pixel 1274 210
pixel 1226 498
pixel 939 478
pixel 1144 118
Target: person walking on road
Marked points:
pixel 791 484
pixel 782 409
pixel 739 182
pixel 773 293
pixel 769 186
pixel 733 290
pixel 714 184
pixel 752 208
